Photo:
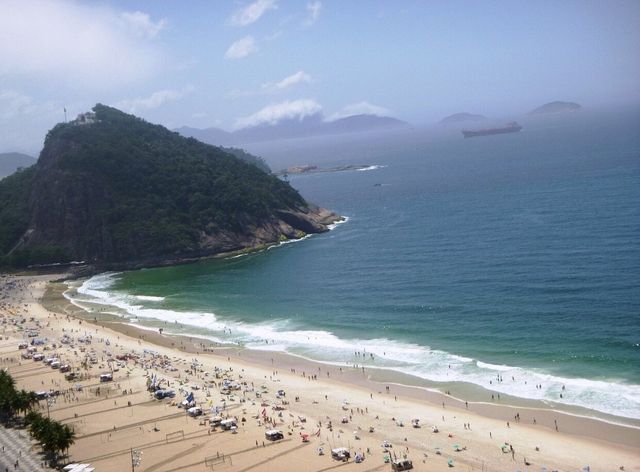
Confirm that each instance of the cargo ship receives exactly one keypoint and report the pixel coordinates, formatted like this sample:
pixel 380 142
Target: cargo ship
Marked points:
pixel 512 127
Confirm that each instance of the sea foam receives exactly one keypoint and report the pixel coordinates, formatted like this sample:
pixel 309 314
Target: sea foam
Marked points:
pixel 612 397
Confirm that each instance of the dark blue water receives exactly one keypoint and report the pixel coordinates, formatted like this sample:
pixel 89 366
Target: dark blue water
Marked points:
pixel 462 259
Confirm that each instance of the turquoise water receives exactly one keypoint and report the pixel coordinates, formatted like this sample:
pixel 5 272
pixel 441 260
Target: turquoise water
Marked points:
pixel 462 260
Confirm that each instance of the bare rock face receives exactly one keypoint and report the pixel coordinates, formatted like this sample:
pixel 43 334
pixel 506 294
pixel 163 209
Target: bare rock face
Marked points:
pixel 120 191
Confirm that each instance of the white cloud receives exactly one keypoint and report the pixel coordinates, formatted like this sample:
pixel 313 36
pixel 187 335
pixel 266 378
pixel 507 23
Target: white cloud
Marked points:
pixel 271 88
pixel 141 24
pixel 361 108
pixel 13 104
pixel 314 11
pixel 24 120
pixel 155 100
pixel 81 45
pixel 252 12
pixel 298 77
pixel 272 114
pixel 241 48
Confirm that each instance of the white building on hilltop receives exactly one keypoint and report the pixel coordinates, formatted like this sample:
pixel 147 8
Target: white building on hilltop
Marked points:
pixel 85 118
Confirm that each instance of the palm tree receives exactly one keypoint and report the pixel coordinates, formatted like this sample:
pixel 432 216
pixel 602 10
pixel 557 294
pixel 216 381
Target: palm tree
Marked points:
pixel 7 395
pixel 32 417
pixel 23 401
pixel 53 436
pixel 65 437
pixel 39 427
pixel 6 379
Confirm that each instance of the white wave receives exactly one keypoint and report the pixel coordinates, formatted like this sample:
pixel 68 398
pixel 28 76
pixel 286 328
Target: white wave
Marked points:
pixel 289 241
pixel 612 397
pixel 333 226
pixel 149 298
pixel 373 167
pixel 485 365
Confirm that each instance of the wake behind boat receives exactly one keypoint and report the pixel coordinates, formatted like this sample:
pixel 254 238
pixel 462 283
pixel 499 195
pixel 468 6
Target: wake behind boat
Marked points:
pixel 512 127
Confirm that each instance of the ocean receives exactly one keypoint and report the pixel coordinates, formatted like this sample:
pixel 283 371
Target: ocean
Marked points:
pixel 508 262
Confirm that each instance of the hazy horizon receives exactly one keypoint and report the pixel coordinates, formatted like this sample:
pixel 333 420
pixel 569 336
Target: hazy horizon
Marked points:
pixel 242 63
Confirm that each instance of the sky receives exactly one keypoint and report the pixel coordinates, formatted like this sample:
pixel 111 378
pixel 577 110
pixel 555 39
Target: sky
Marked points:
pixel 238 63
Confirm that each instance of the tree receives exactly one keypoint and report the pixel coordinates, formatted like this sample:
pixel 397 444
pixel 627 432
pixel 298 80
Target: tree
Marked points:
pixel 64 438
pixel 23 401
pixel 53 436
pixel 7 395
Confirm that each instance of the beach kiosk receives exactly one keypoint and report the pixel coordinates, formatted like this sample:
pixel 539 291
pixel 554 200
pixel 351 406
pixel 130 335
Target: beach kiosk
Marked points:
pixel 340 454
pixel 401 464
pixel 228 424
pixel 273 434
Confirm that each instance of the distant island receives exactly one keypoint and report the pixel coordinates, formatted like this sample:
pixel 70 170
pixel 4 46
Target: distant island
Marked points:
pixel 12 161
pixel 314 125
pixel 117 192
pixel 462 118
pixel 556 107
pixel 311 169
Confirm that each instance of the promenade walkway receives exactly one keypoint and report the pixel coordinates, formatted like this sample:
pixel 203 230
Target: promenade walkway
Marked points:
pixel 17 453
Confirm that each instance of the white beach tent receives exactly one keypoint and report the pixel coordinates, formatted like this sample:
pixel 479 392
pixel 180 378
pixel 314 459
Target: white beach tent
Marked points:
pixel 80 468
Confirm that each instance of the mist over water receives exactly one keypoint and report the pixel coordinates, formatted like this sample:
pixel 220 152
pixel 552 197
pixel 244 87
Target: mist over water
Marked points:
pixel 463 259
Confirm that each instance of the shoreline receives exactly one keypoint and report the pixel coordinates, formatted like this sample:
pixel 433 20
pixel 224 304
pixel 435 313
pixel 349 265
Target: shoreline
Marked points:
pixel 378 378
pixel 112 418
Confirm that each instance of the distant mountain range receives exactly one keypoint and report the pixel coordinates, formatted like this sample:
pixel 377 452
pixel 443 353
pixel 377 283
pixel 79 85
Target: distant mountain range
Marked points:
pixel 546 109
pixel 12 161
pixel 314 125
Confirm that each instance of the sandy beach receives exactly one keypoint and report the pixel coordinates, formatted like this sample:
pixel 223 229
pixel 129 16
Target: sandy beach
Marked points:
pixel 329 406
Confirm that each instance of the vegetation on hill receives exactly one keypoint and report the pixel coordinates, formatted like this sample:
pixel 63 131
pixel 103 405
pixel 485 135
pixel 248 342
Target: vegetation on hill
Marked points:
pixel 14 210
pixel 243 155
pixel 121 189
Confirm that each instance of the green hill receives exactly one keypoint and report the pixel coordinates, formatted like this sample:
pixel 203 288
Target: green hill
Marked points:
pixel 115 190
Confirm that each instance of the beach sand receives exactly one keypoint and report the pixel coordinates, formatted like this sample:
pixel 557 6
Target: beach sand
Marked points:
pixel 114 419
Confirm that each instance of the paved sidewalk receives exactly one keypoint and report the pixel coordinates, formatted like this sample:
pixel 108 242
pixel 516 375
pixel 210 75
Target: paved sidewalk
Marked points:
pixel 17 453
